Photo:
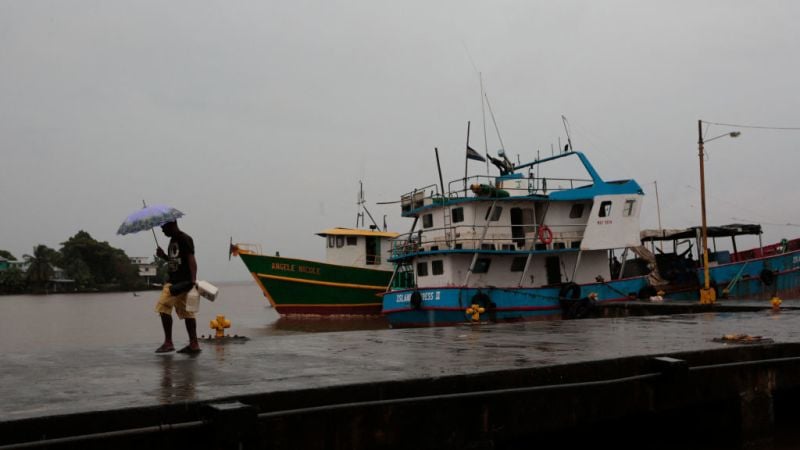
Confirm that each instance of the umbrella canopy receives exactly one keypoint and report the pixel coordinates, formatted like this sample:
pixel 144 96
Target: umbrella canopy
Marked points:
pixel 148 217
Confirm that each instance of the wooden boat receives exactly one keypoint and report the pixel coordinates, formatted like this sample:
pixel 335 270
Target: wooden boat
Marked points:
pixel 348 282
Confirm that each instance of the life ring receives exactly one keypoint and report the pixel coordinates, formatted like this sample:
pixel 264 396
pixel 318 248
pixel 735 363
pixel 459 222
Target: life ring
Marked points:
pixel 416 300
pixel 545 235
pixel 767 277
pixel 570 291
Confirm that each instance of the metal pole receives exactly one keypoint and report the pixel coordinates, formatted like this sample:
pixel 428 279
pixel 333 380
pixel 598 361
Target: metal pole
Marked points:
pixel 439 168
pixel 466 162
pixel 658 210
pixel 706 294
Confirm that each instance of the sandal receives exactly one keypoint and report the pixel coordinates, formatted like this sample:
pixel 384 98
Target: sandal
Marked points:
pixel 189 350
pixel 165 348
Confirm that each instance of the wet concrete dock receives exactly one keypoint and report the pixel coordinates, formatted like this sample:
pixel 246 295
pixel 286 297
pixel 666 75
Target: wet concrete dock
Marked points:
pixel 41 385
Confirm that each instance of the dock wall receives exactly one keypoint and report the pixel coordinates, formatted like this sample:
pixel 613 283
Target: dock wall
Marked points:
pixel 734 397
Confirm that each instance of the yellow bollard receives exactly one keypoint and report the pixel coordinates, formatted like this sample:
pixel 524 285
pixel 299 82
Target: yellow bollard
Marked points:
pixel 776 303
pixel 219 324
pixel 475 311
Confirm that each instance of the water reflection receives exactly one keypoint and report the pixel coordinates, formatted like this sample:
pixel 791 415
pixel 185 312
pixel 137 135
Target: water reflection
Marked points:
pixel 177 378
pixel 316 324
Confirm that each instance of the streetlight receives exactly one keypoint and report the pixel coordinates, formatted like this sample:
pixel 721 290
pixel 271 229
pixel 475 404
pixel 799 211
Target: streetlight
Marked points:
pixel 707 295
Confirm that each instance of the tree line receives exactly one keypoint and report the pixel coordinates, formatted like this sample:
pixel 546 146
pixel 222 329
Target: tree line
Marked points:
pixel 92 265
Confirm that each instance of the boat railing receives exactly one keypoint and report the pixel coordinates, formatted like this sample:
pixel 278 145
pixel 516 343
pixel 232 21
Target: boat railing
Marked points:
pixel 498 237
pixel 516 187
pixel 766 250
pixel 461 188
pixel 418 198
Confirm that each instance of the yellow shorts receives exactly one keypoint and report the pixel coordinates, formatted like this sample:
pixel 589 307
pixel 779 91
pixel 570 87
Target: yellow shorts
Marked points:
pixel 167 301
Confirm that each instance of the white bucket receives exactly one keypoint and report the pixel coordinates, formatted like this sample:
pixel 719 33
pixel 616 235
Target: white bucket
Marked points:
pixel 207 290
pixel 193 300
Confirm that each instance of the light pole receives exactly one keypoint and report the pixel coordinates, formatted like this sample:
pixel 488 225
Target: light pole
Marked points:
pixel 707 295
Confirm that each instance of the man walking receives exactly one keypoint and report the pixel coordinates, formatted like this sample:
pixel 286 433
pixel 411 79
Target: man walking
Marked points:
pixel 182 274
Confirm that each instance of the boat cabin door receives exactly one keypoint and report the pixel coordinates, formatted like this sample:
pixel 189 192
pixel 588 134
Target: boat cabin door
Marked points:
pixel 373 250
pixel 552 265
pixel 521 222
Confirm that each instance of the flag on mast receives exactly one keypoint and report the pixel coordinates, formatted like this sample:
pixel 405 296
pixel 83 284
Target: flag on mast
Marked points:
pixel 472 154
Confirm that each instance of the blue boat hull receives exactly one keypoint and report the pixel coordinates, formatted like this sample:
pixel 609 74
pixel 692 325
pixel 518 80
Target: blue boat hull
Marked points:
pixel 750 280
pixel 448 305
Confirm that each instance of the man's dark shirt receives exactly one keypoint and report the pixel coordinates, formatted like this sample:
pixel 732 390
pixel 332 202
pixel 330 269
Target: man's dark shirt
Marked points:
pixel 180 247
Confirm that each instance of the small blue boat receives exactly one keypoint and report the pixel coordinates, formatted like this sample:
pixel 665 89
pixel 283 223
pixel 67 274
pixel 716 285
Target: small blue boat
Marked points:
pixel 761 272
pixel 523 245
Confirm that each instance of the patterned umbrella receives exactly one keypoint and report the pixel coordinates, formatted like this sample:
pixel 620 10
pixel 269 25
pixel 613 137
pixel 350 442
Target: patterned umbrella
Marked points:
pixel 149 217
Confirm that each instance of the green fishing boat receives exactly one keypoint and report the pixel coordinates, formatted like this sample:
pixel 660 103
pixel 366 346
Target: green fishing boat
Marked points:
pixel 354 273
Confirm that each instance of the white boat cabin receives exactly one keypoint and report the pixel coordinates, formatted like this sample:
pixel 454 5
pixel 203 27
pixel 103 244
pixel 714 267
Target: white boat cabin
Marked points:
pixel 512 233
pixel 358 248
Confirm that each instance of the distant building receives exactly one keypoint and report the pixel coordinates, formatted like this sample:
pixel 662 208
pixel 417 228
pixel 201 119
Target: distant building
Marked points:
pixel 59 281
pixel 147 267
pixel 6 264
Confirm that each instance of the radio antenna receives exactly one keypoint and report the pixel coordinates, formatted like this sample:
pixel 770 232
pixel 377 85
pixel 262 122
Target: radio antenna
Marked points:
pixel 363 209
pixel 566 128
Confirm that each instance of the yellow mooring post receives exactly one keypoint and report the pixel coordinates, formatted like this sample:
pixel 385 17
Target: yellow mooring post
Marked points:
pixel 219 324
pixel 475 312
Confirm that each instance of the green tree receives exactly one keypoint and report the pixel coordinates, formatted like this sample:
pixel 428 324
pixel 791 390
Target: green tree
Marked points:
pixel 79 271
pixel 106 265
pixel 40 268
pixel 7 255
pixel 12 281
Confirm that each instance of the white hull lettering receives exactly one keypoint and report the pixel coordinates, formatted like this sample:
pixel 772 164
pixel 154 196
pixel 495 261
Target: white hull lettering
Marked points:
pixel 426 297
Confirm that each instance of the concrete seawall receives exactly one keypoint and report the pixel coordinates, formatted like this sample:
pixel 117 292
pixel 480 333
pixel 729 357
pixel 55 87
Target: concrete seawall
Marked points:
pixel 636 382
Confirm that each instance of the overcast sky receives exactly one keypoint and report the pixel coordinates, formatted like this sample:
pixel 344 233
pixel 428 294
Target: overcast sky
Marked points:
pixel 258 119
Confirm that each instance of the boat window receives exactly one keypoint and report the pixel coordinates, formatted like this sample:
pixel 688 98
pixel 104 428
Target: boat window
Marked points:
pixel 576 212
pixel 437 267
pixel 331 241
pixel 628 210
pixel 422 269
pixel 496 212
pixel 482 265
pixel 458 215
pixel 575 244
pixel 559 245
pixel 427 221
pixel 605 209
pixel 352 240
pixel 339 241
pixel 518 263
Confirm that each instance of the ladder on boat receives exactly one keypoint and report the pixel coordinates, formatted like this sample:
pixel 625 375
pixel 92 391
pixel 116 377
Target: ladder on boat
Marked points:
pixel 480 243
pixel 448 227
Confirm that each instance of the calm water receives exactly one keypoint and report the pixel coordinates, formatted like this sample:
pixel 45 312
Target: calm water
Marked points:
pixel 67 321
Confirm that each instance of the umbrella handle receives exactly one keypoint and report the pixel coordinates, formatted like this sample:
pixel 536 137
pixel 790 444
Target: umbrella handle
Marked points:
pixel 144 204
